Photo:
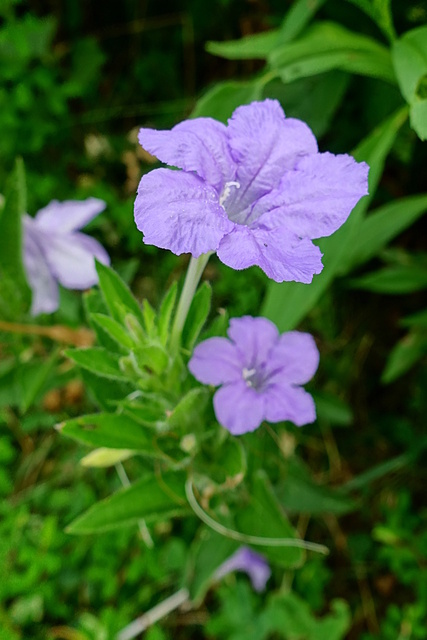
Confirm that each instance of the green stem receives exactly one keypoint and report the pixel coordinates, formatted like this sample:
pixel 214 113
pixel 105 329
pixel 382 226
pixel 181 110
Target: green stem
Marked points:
pixel 194 272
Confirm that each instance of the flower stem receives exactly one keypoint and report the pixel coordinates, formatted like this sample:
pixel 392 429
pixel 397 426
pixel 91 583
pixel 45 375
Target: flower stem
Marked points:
pixel 194 272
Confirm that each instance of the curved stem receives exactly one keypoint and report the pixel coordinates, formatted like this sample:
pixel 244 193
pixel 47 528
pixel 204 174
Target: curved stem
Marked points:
pixel 194 272
pixel 242 537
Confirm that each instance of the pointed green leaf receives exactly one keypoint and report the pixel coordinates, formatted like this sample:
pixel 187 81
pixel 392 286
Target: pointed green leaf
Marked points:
pixel 328 45
pixel 152 498
pixel 165 313
pixel 111 430
pixel 197 316
pixel 114 330
pixel 404 355
pixel 117 294
pixel 98 361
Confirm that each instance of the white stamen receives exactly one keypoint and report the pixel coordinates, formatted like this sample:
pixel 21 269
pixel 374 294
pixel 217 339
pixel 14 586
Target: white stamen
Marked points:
pixel 227 190
pixel 247 374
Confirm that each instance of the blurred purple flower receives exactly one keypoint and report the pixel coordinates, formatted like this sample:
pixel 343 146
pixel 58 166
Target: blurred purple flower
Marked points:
pixel 260 372
pixel 252 563
pixel 55 252
pixel 256 191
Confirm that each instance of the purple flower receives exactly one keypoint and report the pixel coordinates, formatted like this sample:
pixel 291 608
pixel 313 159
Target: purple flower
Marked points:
pixel 55 251
pixel 252 563
pixel 256 191
pixel 260 372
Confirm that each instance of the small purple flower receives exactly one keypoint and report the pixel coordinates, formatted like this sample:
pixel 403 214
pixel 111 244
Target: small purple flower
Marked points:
pixel 252 563
pixel 56 252
pixel 256 191
pixel 260 372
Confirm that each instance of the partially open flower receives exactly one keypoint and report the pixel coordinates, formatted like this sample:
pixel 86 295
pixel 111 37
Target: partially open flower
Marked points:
pixel 56 252
pixel 250 562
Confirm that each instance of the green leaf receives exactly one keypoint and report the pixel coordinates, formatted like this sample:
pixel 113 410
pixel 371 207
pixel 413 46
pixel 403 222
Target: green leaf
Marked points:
pixel 297 18
pixel 105 392
pixel 151 499
pixel 114 330
pixel 313 100
pixel 381 226
pixel 165 313
pixel 220 101
pixel 288 303
pixel 99 361
pixel 256 46
pixel 298 493
pixel 187 413
pixel 404 355
pixel 410 63
pixel 393 280
pixel 380 12
pixel 326 46
pixel 15 294
pixel 153 356
pixel 197 316
pixel 117 294
pixel 208 552
pixel 264 517
pixel 110 430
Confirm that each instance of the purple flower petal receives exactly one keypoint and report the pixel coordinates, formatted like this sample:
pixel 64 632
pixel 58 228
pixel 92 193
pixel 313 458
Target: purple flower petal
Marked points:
pixel 71 259
pixel 282 256
pixel 71 215
pixel 178 211
pixel 286 402
pixel 253 337
pixel 264 144
pixel 215 361
pixel 45 293
pixel 198 145
pixel 239 408
pixel 295 358
pixel 252 563
pixel 317 197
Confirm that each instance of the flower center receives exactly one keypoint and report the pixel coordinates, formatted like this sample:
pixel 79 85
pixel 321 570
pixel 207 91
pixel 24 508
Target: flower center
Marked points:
pixel 253 378
pixel 227 190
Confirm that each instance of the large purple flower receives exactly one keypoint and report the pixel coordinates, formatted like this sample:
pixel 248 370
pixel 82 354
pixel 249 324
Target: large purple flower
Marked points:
pixel 256 191
pixel 251 562
pixel 55 252
pixel 261 373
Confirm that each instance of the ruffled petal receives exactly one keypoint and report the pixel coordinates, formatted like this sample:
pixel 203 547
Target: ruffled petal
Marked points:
pixel 198 145
pixel 71 259
pixel 285 402
pixel 294 359
pixel 316 198
pixel 216 361
pixel 264 144
pixel 71 215
pixel 44 288
pixel 176 210
pixel 254 339
pixel 282 256
pixel 239 408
